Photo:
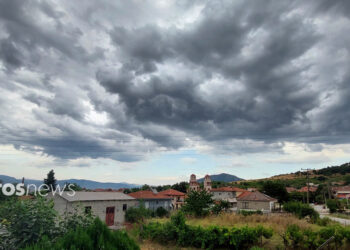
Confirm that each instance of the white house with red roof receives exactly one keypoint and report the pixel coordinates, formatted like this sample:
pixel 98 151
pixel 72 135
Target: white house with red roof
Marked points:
pixel 152 199
pixel 228 194
pixel 178 198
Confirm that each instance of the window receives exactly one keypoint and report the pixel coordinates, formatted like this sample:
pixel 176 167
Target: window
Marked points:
pixel 125 207
pixel 88 210
pixel 245 204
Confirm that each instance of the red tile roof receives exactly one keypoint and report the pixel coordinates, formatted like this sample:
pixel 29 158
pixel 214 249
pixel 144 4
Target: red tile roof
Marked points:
pixel 304 189
pixel 291 189
pixel 105 190
pixel 342 188
pixel 147 194
pixel 244 194
pixel 255 196
pixel 171 192
pixel 228 189
pixel 343 196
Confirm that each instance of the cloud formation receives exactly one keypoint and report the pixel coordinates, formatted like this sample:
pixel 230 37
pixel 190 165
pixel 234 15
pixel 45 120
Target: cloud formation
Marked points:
pixel 127 79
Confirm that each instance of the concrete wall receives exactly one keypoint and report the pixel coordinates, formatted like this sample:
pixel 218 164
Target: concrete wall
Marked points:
pixel 255 205
pixel 98 208
pixel 154 204
pixel 223 195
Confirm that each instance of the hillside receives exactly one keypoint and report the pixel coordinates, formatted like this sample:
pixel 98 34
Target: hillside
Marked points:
pixel 222 177
pixel 88 184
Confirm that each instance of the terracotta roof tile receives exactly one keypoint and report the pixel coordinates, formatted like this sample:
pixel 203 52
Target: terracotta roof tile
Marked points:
pixel 171 192
pixel 255 196
pixel 147 194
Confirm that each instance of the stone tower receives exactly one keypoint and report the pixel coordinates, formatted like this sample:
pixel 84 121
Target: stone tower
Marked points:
pixel 194 185
pixel 207 183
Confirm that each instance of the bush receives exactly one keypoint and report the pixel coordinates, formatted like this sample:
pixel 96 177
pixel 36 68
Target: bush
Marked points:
pixel 301 210
pixel 332 205
pixel 96 236
pixel 27 222
pixel 161 212
pixel 297 238
pixel 137 214
pixel 248 212
pixel 198 203
pixel 213 237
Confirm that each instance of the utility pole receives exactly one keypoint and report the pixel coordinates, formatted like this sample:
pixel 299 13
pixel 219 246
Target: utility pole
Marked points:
pixel 308 183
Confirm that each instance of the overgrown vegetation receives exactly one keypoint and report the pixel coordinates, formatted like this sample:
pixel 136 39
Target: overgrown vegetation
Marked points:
pixel 297 238
pixel 26 222
pixel 35 223
pixel 198 203
pixel 95 236
pixel 301 210
pixel 176 231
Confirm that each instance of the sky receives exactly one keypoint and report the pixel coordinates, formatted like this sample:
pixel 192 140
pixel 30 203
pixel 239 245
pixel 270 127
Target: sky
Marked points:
pixel 153 91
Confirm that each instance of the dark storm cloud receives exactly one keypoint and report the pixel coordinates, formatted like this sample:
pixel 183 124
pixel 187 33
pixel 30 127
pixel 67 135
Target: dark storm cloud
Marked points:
pixel 118 80
pixel 270 97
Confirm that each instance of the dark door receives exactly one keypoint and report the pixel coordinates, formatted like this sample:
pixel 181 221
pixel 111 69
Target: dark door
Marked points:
pixel 110 216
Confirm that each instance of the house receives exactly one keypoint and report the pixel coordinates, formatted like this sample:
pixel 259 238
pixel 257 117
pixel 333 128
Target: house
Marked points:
pixel 312 189
pixel 152 199
pixel 291 189
pixel 342 192
pixel 228 194
pixel 108 206
pixel 178 198
pixel 254 201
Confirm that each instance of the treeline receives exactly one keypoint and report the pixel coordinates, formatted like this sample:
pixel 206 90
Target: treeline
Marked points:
pixel 181 186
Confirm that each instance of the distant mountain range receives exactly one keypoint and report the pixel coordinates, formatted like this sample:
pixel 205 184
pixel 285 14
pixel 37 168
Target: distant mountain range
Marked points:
pixel 82 183
pixel 222 177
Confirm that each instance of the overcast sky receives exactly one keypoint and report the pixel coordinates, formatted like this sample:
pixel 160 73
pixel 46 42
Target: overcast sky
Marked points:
pixel 152 91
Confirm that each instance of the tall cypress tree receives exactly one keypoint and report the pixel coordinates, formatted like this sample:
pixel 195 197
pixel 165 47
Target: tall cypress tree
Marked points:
pixel 50 180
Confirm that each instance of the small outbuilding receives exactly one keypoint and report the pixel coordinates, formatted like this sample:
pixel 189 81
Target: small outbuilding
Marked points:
pixel 108 206
pixel 253 201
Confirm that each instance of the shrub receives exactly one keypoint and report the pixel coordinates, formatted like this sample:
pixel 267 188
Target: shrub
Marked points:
pixel 137 214
pixel 332 205
pixel 296 238
pixel 301 210
pixel 96 236
pixel 27 221
pixel 219 207
pixel 161 212
pixel 247 212
pixel 210 238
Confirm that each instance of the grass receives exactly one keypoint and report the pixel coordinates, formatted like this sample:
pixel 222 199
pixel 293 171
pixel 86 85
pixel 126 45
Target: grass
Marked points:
pixel 278 222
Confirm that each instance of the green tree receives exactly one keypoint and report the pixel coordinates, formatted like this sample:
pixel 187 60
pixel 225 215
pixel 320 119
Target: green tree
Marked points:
pixel 27 221
pixel 276 190
pixel 182 186
pixel 198 203
pixel 72 186
pixel 50 180
pixel 332 205
pixel 347 179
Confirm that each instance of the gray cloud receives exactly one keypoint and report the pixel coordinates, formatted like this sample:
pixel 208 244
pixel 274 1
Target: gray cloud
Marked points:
pixel 120 81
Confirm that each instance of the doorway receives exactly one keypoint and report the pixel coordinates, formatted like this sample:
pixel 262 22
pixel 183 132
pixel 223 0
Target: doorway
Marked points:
pixel 110 216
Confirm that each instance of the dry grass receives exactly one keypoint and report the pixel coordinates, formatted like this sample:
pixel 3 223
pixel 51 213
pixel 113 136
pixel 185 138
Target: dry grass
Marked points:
pixel 278 222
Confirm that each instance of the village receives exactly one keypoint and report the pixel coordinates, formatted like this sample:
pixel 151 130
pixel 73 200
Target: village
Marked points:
pixel 111 205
